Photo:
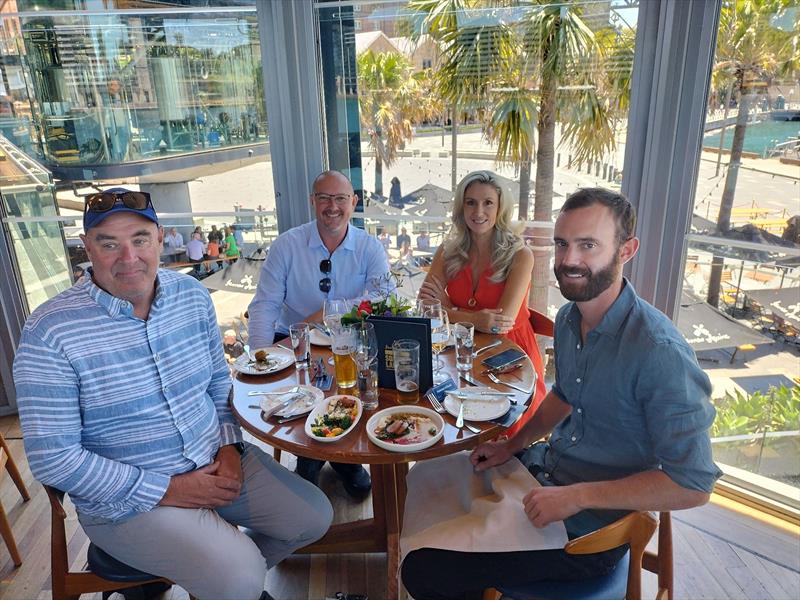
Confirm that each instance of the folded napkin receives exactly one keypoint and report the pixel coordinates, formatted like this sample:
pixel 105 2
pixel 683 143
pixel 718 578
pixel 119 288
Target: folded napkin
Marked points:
pixel 451 507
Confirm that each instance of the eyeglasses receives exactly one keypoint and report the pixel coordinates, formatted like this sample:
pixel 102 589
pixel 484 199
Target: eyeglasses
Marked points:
pixel 105 201
pixel 325 266
pixel 338 199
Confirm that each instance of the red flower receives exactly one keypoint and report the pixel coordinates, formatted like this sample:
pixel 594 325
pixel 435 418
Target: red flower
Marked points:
pixel 365 308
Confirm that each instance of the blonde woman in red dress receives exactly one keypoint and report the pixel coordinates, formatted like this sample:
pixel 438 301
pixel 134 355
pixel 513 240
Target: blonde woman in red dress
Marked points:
pixel 482 272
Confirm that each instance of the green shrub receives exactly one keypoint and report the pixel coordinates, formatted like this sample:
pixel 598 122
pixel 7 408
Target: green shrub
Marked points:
pixel 776 410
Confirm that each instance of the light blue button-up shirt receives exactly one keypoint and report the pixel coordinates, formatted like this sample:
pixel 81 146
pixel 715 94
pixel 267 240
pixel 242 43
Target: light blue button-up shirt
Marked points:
pixel 288 288
pixel 639 402
pixel 110 405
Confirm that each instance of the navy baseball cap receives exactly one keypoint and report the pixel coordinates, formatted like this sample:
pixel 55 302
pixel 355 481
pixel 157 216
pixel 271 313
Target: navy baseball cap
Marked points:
pixel 108 202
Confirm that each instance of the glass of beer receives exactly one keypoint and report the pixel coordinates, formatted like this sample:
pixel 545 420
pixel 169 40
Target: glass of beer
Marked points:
pixel 405 355
pixel 343 340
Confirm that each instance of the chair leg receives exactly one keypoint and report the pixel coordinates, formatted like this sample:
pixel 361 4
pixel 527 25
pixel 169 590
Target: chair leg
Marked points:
pixel 8 536
pixel 11 467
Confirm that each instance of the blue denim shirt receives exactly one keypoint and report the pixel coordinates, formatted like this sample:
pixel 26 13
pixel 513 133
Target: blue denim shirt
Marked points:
pixel 639 402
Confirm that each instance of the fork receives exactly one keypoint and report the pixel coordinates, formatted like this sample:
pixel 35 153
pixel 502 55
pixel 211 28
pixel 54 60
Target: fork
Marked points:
pixel 437 406
pixel 497 380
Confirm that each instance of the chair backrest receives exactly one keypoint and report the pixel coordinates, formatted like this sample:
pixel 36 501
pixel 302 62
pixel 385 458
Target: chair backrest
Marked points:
pixel 660 563
pixel 635 529
pixel 71 584
pixel 542 324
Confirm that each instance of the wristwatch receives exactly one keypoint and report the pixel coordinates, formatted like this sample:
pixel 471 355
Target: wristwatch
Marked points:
pixel 239 447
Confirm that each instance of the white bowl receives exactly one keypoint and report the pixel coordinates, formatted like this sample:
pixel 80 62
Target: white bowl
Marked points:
pixel 407 409
pixel 321 408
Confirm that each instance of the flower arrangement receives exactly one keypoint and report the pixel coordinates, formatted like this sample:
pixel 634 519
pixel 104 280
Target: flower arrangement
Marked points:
pixel 390 305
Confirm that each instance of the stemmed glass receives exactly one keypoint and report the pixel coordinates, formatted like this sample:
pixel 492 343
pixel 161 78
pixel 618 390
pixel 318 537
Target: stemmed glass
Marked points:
pixel 364 352
pixel 332 312
pixel 440 333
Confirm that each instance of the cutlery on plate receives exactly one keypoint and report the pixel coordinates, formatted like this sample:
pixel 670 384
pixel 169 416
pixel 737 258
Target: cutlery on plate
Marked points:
pixel 468 378
pixel 470 393
pixel 292 418
pixel 437 406
pixel 294 390
pixel 249 355
pixel 280 406
pixel 499 381
pixel 319 327
pixel 489 346
pixel 460 418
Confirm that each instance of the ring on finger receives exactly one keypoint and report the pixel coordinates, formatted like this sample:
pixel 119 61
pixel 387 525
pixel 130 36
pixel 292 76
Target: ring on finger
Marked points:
pixel 495 329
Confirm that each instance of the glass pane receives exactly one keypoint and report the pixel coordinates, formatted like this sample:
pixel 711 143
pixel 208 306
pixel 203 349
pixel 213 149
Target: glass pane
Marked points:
pixel 417 94
pixel 740 306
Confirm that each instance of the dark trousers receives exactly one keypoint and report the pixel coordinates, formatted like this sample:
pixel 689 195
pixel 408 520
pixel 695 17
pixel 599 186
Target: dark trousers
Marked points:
pixel 430 574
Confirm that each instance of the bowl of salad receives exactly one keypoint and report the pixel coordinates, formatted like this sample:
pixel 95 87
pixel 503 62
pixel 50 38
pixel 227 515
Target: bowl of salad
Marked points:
pixel 405 428
pixel 333 418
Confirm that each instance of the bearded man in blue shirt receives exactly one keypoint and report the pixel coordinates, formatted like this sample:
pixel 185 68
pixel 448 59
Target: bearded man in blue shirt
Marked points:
pixel 327 258
pixel 628 416
pixel 122 388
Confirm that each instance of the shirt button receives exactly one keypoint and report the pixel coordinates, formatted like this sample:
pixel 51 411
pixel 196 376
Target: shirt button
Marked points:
pixel 578 380
pixel 165 389
pixel 580 411
pixel 574 439
pixel 547 475
pixel 578 346
pixel 156 357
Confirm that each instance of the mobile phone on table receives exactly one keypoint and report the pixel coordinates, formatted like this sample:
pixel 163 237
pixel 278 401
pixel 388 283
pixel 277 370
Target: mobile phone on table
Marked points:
pixel 504 358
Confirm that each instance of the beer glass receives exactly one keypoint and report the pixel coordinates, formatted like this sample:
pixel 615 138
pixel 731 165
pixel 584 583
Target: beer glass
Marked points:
pixel 332 311
pixel 405 356
pixel 343 340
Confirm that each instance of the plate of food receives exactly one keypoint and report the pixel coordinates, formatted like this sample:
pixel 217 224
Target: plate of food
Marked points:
pixel 317 338
pixel 265 361
pixel 405 428
pixel 478 407
pixel 304 400
pixel 333 418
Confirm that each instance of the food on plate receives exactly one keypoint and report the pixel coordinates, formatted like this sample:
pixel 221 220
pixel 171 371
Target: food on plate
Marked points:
pixel 405 428
pixel 263 362
pixel 337 418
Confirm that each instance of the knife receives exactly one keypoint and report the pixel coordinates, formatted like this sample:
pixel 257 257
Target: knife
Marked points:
pixel 292 418
pixel 472 382
pixel 487 347
pixel 266 414
pixel 471 394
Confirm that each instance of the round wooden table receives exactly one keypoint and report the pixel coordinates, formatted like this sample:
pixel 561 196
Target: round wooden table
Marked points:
pixel 388 469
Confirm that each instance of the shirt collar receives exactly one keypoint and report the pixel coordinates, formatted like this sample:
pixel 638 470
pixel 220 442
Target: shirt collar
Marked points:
pixel 314 239
pixel 615 316
pixel 113 305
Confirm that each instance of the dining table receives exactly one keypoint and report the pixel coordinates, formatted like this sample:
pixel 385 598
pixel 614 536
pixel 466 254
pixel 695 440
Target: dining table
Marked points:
pixel 381 532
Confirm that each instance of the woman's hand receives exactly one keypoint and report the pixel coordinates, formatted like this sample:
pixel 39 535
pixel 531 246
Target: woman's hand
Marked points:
pixel 492 320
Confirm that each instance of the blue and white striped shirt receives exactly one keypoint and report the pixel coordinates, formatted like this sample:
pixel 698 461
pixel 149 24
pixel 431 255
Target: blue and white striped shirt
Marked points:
pixel 110 405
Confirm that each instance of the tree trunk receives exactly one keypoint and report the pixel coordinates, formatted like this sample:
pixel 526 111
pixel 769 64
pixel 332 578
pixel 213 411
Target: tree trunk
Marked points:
pixel 728 194
pixel 454 148
pixel 378 164
pixel 543 195
pixel 524 184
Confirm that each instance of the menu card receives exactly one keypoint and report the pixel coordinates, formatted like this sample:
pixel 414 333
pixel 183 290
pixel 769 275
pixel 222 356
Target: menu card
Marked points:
pixel 389 329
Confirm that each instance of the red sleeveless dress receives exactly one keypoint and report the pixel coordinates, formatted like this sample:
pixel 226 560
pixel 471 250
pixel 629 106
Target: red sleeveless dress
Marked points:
pixel 487 295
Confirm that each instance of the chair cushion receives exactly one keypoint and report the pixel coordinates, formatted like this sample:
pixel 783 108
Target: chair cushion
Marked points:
pixel 605 587
pixel 108 567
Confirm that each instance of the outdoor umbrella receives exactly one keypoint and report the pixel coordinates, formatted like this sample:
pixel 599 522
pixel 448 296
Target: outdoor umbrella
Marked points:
pixel 430 200
pixel 242 276
pixel 706 328
pixel 784 302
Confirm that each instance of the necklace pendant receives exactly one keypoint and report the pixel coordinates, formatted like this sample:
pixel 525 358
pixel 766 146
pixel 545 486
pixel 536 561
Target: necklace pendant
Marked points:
pixel 472 302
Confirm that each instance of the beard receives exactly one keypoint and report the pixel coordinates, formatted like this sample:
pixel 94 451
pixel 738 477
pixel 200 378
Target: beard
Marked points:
pixel 590 285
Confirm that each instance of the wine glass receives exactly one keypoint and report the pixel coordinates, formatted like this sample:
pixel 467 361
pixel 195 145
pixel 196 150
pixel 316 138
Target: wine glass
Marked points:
pixel 332 312
pixel 364 351
pixel 440 333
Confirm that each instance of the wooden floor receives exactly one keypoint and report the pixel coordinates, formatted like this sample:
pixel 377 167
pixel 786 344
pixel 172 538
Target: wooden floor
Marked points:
pixel 719 553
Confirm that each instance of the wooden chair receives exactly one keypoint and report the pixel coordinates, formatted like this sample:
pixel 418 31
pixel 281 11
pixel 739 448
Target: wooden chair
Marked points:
pixel 7 463
pixel 625 581
pixel 105 574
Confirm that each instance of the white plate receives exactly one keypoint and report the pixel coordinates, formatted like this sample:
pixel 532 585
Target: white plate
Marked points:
pixel 483 409
pixel 303 404
pixel 318 338
pixel 416 410
pixel 283 358
pixel 322 408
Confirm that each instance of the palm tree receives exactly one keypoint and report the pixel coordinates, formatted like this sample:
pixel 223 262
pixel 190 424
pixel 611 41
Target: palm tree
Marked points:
pixel 751 52
pixel 388 100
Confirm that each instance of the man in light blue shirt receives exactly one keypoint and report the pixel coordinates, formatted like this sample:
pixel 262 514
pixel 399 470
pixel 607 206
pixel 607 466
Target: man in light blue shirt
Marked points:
pixel 325 258
pixel 122 388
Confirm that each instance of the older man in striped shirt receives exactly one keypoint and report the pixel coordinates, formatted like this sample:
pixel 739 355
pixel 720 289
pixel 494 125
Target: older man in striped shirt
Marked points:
pixel 123 393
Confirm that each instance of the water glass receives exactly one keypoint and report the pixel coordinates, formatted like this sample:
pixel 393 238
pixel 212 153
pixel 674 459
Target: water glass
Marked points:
pixel 299 336
pixel 465 338
pixel 405 358
pixel 368 387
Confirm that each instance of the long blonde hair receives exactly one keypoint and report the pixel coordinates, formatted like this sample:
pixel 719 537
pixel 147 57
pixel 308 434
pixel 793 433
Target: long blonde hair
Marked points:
pixel 506 242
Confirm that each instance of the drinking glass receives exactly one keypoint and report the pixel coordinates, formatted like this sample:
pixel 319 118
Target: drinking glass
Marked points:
pixel 465 337
pixel 332 312
pixel 440 333
pixel 298 334
pixel 424 306
pixel 405 358
pixel 342 341
pixel 364 352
